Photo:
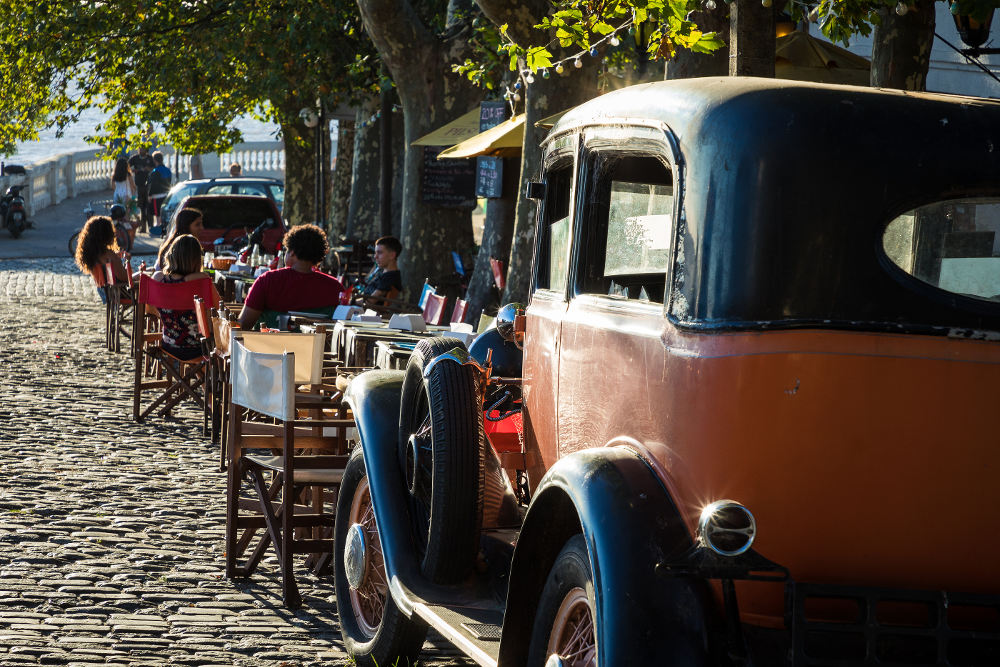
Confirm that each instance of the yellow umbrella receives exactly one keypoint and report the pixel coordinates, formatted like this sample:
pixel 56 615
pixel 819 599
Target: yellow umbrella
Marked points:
pixel 503 140
pixel 457 130
pixel 800 56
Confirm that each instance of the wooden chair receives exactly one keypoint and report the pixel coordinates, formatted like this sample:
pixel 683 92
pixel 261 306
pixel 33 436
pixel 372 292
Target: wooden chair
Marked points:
pixel 222 332
pixel 101 283
pixel 300 463
pixel 180 378
pixel 121 302
pixel 459 311
pixel 433 309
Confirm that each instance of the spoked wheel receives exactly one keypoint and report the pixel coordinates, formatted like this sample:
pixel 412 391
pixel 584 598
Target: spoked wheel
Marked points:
pixel 564 630
pixel 17 224
pixel 440 450
pixel 375 631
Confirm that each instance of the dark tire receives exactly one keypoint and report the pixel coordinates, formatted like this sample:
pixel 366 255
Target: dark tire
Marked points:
pixel 72 243
pixel 565 610
pixel 375 631
pixel 443 466
pixel 16 225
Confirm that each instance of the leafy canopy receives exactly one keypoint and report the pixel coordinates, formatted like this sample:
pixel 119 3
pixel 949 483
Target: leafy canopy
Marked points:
pixel 190 66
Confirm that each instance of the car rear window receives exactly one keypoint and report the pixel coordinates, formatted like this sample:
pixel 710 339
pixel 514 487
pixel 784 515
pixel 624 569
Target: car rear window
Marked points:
pixel 951 245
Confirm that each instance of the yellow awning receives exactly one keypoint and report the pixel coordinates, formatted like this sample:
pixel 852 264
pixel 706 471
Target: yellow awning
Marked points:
pixel 457 130
pixel 503 140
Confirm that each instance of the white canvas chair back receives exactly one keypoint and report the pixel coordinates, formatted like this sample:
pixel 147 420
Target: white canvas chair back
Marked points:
pixel 307 348
pixel 263 382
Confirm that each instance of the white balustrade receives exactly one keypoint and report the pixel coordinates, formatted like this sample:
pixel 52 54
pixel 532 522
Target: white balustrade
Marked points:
pixel 72 174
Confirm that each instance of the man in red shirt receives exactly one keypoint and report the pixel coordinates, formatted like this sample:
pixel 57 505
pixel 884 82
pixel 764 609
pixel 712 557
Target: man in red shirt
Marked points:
pixel 298 286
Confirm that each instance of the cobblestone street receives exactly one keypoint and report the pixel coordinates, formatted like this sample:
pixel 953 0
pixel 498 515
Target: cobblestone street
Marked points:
pixel 111 532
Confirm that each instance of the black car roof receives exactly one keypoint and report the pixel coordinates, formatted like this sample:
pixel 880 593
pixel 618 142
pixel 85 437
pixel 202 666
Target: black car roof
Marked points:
pixel 788 187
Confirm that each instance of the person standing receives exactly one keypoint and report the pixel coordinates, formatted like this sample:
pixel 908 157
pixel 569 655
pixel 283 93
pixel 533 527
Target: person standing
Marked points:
pixel 142 164
pixel 159 185
pixel 235 170
pixel 122 185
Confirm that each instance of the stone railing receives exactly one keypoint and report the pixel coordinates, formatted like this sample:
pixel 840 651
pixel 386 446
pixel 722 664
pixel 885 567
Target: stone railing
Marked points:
pixel 71 174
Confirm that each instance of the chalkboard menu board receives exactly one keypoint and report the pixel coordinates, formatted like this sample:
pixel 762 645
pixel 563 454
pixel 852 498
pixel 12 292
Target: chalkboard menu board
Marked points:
pixel 447 182
pixel 489 170
pixel 489 177
pixel 491 114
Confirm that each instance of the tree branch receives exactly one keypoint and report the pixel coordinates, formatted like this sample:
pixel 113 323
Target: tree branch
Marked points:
pixel 521 17
pixel 396 31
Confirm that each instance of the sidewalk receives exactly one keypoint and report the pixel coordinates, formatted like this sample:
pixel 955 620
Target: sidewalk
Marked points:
pixel 111 532
pixel 53 227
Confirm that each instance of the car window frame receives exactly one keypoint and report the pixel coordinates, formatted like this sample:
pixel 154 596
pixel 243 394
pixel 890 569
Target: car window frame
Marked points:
pixel 628 137
pixel 563 148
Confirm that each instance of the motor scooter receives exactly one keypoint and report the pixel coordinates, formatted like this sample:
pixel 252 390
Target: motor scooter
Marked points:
pixel 13 214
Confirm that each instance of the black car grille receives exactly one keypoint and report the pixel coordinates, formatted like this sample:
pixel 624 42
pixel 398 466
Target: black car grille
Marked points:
pixel 841 626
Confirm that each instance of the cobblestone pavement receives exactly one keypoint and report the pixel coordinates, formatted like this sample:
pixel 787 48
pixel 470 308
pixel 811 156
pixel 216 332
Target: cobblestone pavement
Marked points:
pixel 111 532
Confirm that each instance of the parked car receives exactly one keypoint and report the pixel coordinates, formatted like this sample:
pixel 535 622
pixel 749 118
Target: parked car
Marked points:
pixel 238 220
pixel 760 368
pixel 271 188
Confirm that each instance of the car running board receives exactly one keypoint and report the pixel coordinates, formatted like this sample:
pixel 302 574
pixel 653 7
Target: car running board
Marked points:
pixel 475 632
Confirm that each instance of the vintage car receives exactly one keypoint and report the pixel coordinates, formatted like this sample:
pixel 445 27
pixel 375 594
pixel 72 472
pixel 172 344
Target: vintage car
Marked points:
pixel 759 385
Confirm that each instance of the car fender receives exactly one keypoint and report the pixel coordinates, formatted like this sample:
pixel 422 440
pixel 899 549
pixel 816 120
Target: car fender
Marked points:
pixel 374 397
pixel 631 525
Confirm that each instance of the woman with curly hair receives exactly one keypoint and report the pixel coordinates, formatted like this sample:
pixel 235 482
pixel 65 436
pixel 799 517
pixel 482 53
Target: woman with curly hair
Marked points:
pixel 97 246
pixel 186 221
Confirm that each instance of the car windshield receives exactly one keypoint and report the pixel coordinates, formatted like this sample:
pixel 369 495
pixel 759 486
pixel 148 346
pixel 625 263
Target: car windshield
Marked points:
pixel 952 245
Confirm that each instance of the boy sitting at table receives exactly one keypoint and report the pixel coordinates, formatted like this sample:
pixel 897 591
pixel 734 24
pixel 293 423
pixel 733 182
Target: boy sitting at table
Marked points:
pixel 298 286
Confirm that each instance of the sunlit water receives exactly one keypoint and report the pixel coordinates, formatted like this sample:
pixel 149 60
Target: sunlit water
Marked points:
pixel 73 138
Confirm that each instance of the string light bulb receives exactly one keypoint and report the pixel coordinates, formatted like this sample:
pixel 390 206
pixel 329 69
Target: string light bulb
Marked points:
pixel 766 3
pixel 710 5
pixel 530 78
pixel 517 97
pixel 577 63
pixel 545 73
pixel 901 8
pixel 613 41
pixel 593 52
pixel 559 68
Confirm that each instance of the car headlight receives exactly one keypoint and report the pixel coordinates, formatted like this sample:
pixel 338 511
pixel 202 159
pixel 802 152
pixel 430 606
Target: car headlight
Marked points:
pixel 727 528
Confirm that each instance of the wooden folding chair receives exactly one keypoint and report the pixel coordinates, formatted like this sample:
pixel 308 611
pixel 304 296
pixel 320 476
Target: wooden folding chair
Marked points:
pixel 222 331
pixel 433 309
pixel 101 283
pixel 121 302
pixel 180 378
pixel 300 462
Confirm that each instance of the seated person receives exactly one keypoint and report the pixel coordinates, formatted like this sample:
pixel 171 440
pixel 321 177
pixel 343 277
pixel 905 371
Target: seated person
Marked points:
pixel 97 246
pixel 298 286
pixel 182 263
pixel 386 275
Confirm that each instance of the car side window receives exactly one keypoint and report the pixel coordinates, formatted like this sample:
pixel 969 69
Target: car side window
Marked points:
pixel 221 189
pixel 554 233
pixel 255 190
pixel 951 245
pixel 626 227
pixel 277 194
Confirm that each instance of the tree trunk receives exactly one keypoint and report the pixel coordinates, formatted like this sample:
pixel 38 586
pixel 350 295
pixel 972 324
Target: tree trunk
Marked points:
pixel 751 39
pixel 901 47
pixel 362 219
pixel 431 95
pixel 300 184
pixel 498 232
pixel 398 160
pixel 543 98
pixel 688 64
pixel 341 199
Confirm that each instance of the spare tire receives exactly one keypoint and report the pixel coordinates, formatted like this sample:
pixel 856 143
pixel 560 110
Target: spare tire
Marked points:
pixel 440 450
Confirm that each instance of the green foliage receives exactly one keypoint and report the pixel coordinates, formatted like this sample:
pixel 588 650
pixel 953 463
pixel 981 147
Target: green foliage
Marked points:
pixel 189 67
pixel 642 28
pixel 839 20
